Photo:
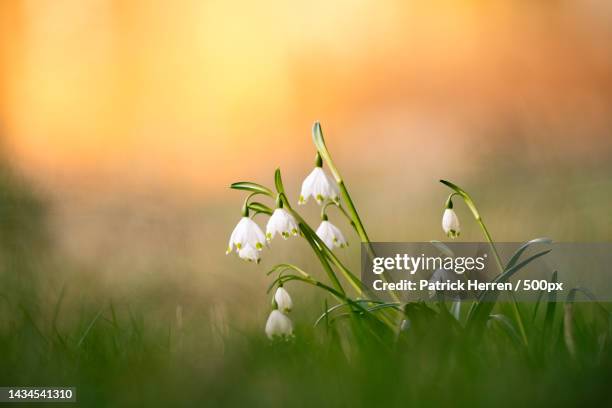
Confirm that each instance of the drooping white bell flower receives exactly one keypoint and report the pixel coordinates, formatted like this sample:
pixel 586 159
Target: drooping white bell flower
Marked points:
pixel 450 223
pixel 278 325
pixel 281 222
pixel 246 232
pixel 331 235
pixel 283 300
pixel 320 186
pixel 248 253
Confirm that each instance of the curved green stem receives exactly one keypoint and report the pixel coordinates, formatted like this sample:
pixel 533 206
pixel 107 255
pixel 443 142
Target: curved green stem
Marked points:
pixel 472 206
pixel 354 304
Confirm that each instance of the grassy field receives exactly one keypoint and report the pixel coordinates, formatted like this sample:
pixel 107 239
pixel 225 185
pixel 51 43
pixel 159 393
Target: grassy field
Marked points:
pixel 123 356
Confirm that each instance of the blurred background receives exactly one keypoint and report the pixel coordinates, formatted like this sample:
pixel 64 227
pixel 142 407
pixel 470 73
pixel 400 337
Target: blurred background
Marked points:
pixel 122 124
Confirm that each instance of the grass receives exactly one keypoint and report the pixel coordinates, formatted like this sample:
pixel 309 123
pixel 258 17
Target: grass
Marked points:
pixel 123 356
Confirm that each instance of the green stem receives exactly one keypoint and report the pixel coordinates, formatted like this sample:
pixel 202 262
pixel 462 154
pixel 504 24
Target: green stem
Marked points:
pixel 319 141
pixel 351 211
pixel 356 305
pixel 328 269
pixel 472 206
pixel 491 244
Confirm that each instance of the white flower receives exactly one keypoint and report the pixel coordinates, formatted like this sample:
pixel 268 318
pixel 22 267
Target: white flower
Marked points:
pixel 283 300
pixel 319 186
pixel 450 223
pixel 246 232
pixel 331 235
pixel 278 325
pixel 248 253
pixel 281 222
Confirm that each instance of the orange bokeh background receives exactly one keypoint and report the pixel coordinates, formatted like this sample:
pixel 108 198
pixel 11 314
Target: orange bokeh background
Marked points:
pixel 195 94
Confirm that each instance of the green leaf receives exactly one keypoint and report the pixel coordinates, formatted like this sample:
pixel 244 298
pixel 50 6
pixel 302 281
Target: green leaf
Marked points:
pixel 253 187
pixel 442 247
pixel 327 312
pixel 506 324
pixel 260 208
pixel 524 247
pixel 285 267
pixel 319 142
pixel 278 182
pixel 552 304
pixel 480 310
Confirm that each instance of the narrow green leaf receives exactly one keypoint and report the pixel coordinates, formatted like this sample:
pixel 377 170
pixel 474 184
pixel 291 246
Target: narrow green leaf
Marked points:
pixel 524 247
pixel 552 304
pixel 506 324
pixel 260 208
pixel 91 325
pixel 253 187
pixel 442 247
pixel 537 305
pixel 481 309
pixel 286 266
pixel 278 182
pixel 319 142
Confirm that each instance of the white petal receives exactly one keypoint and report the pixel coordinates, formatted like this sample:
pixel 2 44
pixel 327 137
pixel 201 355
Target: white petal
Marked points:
pixel 253 234
pixel 450 223
pixel 249 253
pixel 339 240
pixel 281 222
pixel 283 300
pixel 325 233
pixel 278 325
pixel 307 186
pixel 237 236
pixel 320 186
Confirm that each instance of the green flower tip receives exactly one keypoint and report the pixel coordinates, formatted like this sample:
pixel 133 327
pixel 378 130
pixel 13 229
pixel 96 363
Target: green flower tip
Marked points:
pixel 318 160
pixel 453 234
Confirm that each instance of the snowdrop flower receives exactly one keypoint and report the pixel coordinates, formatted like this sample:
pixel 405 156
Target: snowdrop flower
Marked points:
pixel 450 223
pixel 283 300
pixel 331 235
pixel 319 186
pixel 278 325
pixel 281 222
pixel 246 232
pixel 248 253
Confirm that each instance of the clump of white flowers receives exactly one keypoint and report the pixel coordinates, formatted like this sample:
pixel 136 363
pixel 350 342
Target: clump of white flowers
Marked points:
pixel 278 324
pixel 450 221
pixel 248 240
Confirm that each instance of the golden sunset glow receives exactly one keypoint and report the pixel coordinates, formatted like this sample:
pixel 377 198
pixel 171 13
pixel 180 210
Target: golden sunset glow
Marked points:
pixel 172 93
